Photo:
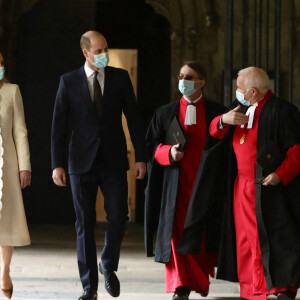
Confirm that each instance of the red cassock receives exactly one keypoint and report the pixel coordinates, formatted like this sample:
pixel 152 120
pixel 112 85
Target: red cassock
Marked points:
pixel 249 261
pixel 187 270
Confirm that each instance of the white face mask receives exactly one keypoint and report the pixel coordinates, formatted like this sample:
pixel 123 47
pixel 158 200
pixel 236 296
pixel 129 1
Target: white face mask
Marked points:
pixel 2 71
pixel 186 87
pixel 101 60
pixel 241 97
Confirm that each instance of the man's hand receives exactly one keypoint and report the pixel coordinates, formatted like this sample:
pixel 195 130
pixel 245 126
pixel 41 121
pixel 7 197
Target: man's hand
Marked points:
pixel 25 178
pixel 140 170
pixel 271 179
pixel 175 154
pixel 233 117
pixel 59 177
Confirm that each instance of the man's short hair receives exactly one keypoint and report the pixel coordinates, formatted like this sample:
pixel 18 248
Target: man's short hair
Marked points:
pixel 198 68
pixel 85 40
pixel 256 77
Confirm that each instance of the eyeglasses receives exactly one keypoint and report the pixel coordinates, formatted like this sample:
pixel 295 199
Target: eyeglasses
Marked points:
pixel 185 77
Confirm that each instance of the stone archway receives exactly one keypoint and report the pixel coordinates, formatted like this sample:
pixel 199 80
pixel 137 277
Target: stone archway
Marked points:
pixel 193 25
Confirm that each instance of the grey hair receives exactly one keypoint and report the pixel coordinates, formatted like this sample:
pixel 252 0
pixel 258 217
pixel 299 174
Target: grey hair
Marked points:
pixel 256 77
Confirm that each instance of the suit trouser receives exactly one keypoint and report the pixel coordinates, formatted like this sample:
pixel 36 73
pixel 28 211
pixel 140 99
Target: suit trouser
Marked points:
pixel 114 187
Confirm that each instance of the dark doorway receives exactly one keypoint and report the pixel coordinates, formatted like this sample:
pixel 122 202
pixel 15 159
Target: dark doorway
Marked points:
pixel 48 46
pixel 135 25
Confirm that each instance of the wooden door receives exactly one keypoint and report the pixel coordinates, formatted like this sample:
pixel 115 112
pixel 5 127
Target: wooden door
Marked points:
pixel 125 59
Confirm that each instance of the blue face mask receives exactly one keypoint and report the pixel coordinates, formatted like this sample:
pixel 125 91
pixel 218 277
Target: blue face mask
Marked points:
pixel 101 60
pixel 241 98
pixel 186 87
pixel 1 73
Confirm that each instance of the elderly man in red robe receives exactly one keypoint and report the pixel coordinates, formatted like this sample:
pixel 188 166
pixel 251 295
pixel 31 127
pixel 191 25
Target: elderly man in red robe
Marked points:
pixel 171 180
pixel 260 240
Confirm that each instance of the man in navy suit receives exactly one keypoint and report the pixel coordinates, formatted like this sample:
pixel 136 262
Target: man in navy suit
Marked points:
pixel 93 97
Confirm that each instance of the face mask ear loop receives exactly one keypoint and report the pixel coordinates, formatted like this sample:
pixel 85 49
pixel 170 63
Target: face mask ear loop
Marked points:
pixel 248 90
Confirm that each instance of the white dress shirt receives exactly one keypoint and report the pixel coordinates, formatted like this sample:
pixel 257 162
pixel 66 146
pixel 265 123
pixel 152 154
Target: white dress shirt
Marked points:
pixel 90 77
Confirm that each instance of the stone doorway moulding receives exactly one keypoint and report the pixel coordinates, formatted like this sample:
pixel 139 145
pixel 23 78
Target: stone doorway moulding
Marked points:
pixel 171 10
pixel 192 23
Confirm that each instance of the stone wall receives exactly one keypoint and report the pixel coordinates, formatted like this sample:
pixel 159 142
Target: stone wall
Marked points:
pixel 198 32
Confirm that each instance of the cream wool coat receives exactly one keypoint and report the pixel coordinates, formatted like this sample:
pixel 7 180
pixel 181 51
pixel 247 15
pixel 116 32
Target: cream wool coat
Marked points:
pixel 14 157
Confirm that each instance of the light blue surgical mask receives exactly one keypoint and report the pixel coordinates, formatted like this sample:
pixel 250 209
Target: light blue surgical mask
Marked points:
pixel 186 87
pixel 101 60
pixel 2 71
pixel 241 98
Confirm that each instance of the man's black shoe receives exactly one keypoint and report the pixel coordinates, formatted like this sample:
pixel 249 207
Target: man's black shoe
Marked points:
pixel 288 295
pixel 177 296
pixel 204 294
pixel 181 293
pixel 112 283
pixel 88 295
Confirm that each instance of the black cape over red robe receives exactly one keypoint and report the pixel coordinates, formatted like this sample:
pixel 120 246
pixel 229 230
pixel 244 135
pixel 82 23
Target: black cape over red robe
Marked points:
pixel 161 190
pixel 277 207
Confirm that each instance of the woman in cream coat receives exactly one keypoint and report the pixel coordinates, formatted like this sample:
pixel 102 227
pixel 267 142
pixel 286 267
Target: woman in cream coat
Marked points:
pixel 15 173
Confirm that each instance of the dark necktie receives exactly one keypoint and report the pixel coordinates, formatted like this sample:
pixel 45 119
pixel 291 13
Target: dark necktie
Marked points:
pixel 98 98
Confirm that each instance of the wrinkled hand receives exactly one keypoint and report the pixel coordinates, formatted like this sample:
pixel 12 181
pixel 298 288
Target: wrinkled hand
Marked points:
pixel 25 178
pixel 59 177
pixel 175 154
pixel 140 170
pixel 233 117
pixel 271 179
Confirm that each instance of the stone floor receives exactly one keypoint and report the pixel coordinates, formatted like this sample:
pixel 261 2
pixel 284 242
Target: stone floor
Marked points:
pixel 48 269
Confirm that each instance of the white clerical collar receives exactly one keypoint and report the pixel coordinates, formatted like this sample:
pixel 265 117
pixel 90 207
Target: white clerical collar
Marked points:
pixel 250 113
pixel 89 72
pixel 191 112
pixel 188 101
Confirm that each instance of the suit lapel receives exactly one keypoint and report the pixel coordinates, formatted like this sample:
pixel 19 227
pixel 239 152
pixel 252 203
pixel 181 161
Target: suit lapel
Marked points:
pixel 107 81
pixel 107 86
pixel 85 92
pixel 84 85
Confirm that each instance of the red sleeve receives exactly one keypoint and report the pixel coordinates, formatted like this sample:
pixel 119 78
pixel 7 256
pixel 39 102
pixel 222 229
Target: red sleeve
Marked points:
pixel 290 167
pixel 162 154
pixel 214 131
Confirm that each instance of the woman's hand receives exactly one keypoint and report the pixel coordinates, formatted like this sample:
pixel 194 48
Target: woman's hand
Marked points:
pixel 25 178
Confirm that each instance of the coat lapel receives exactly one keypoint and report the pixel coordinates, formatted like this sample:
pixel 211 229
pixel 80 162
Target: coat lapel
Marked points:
pixel 84 90
pixel 107 81
pixel 83 85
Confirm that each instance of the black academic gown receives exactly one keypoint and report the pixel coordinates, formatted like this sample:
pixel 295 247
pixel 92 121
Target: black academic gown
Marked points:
pixel 277 207
pixel 161 190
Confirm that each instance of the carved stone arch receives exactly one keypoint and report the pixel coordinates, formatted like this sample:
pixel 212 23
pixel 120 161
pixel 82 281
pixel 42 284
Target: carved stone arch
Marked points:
pixel 160 8
pixel 172 10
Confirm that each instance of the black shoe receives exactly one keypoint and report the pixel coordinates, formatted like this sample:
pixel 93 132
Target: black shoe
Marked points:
pixel 176 296
pixel 112 283
pixel 288 295
pixel 89 295
pixel 204 294
pixel 181 293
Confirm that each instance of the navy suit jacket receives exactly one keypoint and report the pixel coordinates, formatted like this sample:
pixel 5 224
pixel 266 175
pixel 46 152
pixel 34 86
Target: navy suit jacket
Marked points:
pixel 91 132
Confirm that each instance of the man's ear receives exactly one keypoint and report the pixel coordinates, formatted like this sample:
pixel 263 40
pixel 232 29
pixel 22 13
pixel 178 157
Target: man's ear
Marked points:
pixel 201 83
pixel 85 53
pixel 255 91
